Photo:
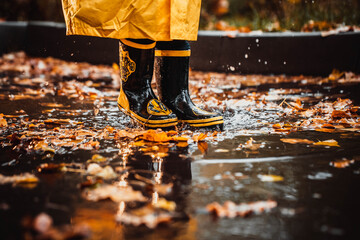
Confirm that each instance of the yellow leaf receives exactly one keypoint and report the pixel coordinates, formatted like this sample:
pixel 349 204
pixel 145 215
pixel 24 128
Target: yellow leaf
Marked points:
pixel 270 178
pixel 296 140
pixel 330 142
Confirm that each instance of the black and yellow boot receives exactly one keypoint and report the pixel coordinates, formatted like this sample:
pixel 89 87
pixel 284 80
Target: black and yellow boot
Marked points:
pixel 172 79
pixel 136 98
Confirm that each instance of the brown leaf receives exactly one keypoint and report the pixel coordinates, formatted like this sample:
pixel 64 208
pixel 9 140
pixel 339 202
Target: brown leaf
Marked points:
pixel 115 193
pixel 296 140
pixel 231 210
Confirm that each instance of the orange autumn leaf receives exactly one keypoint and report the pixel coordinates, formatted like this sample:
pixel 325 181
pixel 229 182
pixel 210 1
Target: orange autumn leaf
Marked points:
pixel 200 137
pixel 3 122
pixel 277 126
pixel 342 163
pixel 330 142
pixel 154 136
pixel 296 140
pixel 203 147
pixel 335 75
pixel 340 113
pixel 328 130
pixel 180 138
pixel 231 210
pixel 182 144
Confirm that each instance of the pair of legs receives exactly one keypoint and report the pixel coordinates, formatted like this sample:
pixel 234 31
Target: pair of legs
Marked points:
pixel 137 99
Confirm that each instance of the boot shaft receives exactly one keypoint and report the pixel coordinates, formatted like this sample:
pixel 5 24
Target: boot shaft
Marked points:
pixel 172 76
pixel 136 65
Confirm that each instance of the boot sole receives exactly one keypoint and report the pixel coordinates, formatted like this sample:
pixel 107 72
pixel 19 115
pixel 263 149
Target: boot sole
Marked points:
pixel 207 122
pixel 149 123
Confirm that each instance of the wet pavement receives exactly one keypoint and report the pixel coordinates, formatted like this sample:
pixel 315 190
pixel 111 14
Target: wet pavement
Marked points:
pixel 293 140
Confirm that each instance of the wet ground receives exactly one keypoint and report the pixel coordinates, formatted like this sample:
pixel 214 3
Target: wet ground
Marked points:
pixel 292 140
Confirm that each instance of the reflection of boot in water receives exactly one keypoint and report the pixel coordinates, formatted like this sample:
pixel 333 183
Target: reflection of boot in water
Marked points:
pixel 136 98
pixel 172 79
pixel 171 167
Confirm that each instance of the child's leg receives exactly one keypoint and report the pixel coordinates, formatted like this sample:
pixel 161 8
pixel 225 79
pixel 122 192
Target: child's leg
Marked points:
pixel 172 78
pixel 136 98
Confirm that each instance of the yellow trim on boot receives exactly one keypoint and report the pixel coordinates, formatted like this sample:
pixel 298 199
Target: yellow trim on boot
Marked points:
pixel 205 120
pixel 207 124
pixel 123 101
pixel 172 53
pixel 138 45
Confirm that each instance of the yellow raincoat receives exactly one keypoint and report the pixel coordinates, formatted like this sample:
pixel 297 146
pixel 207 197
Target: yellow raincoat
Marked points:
pixel 159 20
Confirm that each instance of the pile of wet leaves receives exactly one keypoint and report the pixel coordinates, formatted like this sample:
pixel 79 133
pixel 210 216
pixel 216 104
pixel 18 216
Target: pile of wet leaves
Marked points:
pixel 60 118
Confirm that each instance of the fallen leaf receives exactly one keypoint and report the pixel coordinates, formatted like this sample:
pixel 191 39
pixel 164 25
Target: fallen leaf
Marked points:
pixel 330 142
pixel 231 210
pixel 115 193
pixel 3 122
pixel 342 163
pixel 97 158
pixel 335 75
pixel 19 179
pixel 203 147
pixel 270 178
pixel 42 223
pixel 165 204
pixel 296 140
pixel 106 173
pixel 146 215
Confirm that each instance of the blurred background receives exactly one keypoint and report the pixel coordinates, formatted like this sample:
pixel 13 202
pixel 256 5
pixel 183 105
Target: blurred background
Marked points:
pixel 241 15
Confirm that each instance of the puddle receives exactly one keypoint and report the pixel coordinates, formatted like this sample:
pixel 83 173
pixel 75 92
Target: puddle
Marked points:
pixel 294 140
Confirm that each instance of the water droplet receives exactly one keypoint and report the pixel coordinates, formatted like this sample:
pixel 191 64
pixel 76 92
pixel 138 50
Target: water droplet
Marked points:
pixel 284 62
pixel 259 60
pixel 232 68
pixel 265 62
pixel 246 56
pixel 257 40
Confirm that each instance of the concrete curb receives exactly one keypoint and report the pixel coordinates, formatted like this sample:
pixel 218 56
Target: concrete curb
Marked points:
pixel 258 53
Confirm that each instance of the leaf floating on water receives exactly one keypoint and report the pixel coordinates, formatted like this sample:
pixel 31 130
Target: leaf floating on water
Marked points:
pixel 220 150
pixel 330 142
pixel 342 163
pixel 296 140
pixel 51 167
pixel 106 173
pixel 43 226
pixel 250 145
pixel 203 147
pixel 115 193
pixel 19 179
pixel 146 215
pixel 97 158
pixel 231 210
pixel 270 178
pixel 165 204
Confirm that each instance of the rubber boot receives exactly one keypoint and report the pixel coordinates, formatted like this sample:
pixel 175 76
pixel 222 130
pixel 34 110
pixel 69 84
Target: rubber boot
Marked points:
pixel 136 98
pixel 172 79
